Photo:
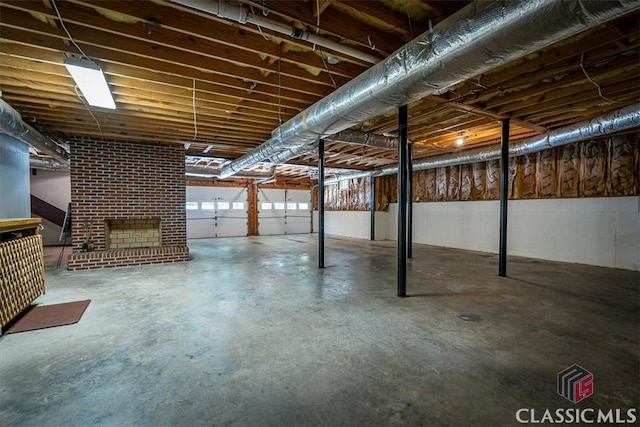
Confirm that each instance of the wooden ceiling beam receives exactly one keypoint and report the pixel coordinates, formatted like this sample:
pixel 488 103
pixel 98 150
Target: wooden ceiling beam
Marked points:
pixel 39 59
pixel 224 148
pixel 83 22
pixel 488 113
pixel 382 17
pixel 321 6
pixel 154 15
pixel 12 79
pixel 46 114
pixel 576 46
pixel 566 98
pixel 238 141
pixel 103 55
pixel 583 109
pixel 574 79
pixel 334 23
pixel 298 80
pixel 546 99
pixel 562 71
pixel 555 60
pixel 60 100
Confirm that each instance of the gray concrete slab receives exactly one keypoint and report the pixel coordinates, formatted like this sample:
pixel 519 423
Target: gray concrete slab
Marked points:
pixel 251 333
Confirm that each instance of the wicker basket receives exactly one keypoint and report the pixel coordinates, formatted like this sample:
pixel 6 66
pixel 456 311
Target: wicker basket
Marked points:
pixel 21 275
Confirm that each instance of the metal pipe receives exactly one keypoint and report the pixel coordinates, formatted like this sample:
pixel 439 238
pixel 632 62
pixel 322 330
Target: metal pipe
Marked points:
pixel 321 203
pixel 351 136
pixel 284 156
pixel 409 200
pixel 476 39
pixel 239 14
pixel 47 164
pixel 364 174
pixel 11 123
pixel 372 206
pixel 206 172
pixel 299 34
pixel 402 201
pixel 504 198
pixel 616 121
pixel 347 137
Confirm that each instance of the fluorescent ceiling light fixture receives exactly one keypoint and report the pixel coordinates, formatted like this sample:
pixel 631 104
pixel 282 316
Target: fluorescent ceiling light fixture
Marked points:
pixel 206 150
pixel 187 145
pixel 91 81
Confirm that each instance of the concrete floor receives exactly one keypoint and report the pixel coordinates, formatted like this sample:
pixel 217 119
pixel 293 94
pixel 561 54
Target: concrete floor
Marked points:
pixel 251 333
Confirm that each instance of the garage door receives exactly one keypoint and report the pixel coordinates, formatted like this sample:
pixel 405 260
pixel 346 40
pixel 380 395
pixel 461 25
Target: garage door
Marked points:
pixel 216 212
pixel 284 211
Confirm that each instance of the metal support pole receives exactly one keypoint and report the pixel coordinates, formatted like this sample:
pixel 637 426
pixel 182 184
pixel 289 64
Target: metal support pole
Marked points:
pixel 504 197
pixel 409 200
pixel 402 201
pixel 372 206
pixel 321 203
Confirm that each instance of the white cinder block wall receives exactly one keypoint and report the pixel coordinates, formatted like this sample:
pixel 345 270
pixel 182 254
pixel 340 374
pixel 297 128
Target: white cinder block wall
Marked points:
pixel 597 231
pixel 356 224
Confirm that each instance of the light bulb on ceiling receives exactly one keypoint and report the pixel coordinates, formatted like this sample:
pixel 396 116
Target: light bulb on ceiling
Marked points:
pixel 459 141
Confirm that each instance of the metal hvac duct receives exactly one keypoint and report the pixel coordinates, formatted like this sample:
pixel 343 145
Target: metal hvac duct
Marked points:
pixel 206 172
pixel 11 124
pixel 48 164
pixel 290 153
pixel 475 39
pixel 362 138
pixel 345 137
pixel 200 171
pixel 616 121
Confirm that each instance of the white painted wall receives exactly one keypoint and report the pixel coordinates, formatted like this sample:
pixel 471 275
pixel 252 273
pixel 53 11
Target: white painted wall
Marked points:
pixel 596 231
pixel 53 187
pixel 356 224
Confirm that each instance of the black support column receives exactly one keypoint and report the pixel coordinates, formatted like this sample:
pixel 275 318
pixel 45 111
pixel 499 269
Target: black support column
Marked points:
pixel 409 200
pixel 504 197
pixel 402 201
pixel 321 203
pixel 372 204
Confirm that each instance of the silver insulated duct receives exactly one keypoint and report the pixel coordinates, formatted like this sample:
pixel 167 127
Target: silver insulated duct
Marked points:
pixel 617 121
pixel 345 137
pixel 11 124
pixel 476 39
pixel 207 172
pixel 47 164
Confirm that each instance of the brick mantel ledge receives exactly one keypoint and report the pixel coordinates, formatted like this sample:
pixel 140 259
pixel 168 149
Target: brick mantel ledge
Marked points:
pixel 127 257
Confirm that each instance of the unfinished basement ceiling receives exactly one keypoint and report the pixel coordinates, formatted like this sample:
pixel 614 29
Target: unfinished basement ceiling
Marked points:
pixel 184 76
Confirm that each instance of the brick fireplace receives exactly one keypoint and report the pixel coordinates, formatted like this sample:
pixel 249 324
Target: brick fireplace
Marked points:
pixel 127 204
pixel 132 233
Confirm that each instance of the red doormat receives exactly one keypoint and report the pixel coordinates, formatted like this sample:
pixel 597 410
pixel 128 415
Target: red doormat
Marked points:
pixel 49 316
